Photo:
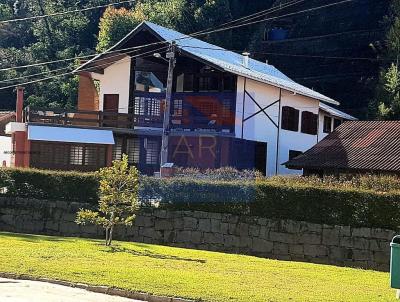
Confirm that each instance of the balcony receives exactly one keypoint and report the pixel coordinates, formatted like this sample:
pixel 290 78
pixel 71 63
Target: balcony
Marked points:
pixel 210 112
pixel 78 118
pixel 203 111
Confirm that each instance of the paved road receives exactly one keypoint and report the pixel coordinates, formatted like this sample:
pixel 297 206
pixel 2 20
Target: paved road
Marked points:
pixel 33 291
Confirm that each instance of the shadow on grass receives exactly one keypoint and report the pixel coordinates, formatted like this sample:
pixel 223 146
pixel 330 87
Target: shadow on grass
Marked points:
pixel 147 253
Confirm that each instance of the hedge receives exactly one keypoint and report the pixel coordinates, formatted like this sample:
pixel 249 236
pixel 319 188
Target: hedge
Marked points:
pixel 365 202
pixel 271 199
pixel 51 185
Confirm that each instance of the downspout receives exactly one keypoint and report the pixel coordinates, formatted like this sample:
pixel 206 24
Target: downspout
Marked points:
pixel 278 135
pixel 244 100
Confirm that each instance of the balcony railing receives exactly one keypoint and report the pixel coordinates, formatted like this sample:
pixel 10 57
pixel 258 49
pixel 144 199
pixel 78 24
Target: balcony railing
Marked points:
pixel 189 112
pixel 78 118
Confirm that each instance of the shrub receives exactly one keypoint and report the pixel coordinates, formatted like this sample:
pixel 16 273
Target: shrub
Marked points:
pixel 53 185
pixel 371 201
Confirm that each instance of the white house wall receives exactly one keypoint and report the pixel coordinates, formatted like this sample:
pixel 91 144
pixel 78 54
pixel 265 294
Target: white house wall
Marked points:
pixel 115 80
pixel 5 150
pixel 260 128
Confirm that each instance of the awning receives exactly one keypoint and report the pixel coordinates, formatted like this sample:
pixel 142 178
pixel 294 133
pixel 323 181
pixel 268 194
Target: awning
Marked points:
pixel 70 135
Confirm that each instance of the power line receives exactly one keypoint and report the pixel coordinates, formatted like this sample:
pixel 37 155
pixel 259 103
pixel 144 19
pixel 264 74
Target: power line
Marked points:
pixel 204 32
pixel 195 34
pixel 72 72
pixel 290 55
pixel 64 68
pixel 259 14
pixel 64 13
pixel 283 16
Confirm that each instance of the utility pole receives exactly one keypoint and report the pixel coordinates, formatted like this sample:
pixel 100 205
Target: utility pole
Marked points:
pixel 167 108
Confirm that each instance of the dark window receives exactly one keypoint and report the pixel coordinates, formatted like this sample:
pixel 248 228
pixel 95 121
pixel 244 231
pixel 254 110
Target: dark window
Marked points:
pixel 117 149
pixel 152 152
pixel 133 150
pixel 229 83
pixel 336 123
pixel 208 83
pixel 61 156
pixel 188 82
pixel 309 123
pixel 294 153
pixel 327 124
pixel 290 118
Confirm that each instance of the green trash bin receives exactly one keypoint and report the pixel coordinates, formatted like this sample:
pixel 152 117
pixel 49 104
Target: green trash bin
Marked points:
pixel 395 262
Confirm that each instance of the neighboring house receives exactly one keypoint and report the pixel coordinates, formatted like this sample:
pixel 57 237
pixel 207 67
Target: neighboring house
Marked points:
pixel 354 147
pixel 5 140
pixel 227 110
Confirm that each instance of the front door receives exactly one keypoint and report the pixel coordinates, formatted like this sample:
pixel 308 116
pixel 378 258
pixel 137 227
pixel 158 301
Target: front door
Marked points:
pixel 110 109
pixel 261 157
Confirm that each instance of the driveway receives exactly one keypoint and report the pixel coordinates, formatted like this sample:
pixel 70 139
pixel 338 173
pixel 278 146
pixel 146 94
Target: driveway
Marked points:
pixel 34 291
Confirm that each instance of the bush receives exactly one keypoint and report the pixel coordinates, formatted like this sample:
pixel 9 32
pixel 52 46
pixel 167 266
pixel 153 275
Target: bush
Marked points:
pixel 287 198
pixel 52 185
pixel 371 201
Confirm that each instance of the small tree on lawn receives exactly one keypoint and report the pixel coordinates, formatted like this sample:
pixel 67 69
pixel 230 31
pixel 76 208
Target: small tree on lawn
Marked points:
pixel 118 201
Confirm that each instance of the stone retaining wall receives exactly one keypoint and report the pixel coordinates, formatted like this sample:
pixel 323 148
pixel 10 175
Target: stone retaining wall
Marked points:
pixel 278 239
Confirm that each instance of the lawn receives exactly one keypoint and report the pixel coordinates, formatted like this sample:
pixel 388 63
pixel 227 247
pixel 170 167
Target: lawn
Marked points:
pixel 187 273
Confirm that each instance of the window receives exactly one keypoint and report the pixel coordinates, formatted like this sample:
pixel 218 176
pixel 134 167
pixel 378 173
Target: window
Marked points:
pixel 139 106
pixel 336 123
pixel 148 82
pixel 147 106
pixel 188 82
pixel 327 124
pixel 117 148
pixel 294 154
pixel 76 155
pixel 178 107
pixel 309 123
pixel 94 156
pixel 133 150
pixel 152 151
pixel 290 118
pixel 153 107
pixel 208 83
pixel 229 83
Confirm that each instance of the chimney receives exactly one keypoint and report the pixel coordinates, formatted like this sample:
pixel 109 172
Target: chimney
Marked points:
pixel 246 59
pixel 20 104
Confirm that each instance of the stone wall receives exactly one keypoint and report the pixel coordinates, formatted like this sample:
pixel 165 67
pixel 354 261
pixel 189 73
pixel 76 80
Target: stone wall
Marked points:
pixel 278 239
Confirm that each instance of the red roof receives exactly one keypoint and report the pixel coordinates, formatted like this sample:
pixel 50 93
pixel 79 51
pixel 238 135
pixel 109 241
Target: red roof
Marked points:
pixel 355 145
pixel 5 118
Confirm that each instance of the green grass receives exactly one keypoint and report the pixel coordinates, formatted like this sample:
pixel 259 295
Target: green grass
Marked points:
pixel 187 273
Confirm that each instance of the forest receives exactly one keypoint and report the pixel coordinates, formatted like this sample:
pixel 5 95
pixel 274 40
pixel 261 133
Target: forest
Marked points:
pixel 92 26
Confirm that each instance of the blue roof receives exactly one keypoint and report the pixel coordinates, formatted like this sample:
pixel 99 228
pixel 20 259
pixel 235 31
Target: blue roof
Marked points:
pixel 70 135
pixel 227 60
pixel 336 112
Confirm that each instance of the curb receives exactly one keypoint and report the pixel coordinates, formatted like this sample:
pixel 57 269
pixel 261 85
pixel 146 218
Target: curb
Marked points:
pixel 99 289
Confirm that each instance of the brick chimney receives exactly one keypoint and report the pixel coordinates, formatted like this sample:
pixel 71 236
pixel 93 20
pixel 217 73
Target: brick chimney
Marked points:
pixel 20 104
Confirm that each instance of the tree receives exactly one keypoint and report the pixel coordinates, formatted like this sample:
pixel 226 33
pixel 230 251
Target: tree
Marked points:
pixel 117 23
pixel 118 201
pixel 386 105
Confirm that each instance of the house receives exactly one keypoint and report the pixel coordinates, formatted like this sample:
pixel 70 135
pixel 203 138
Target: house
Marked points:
pixel 354 147
pixel 5 140
pixel 226 110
